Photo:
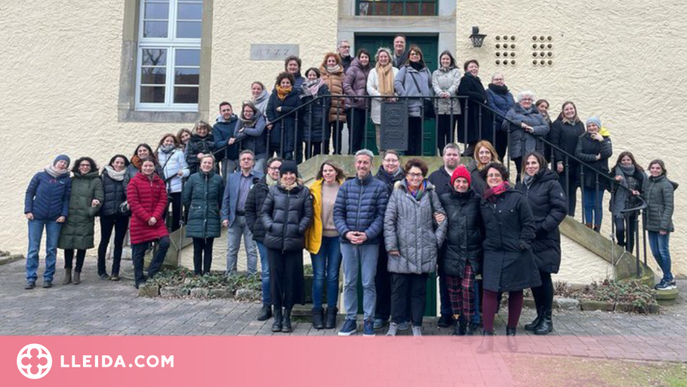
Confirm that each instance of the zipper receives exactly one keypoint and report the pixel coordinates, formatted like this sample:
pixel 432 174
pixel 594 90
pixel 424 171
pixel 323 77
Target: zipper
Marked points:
pixel 286 221
pixel 360 201
pixel 207 205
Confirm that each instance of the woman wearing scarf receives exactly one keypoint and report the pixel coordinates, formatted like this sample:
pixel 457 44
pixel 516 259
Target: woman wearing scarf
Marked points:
pixel 445 82
pixel 184 135
pixel 414 229
pixel 174 168
pixel 333 76
pixel 508 260
pixel 500 99
pixel 84 204
pixel 380 83
pixel 629 179
pixel 251 134
pixel 315 114
pixel 282 127
pixel 113 214
pixel 46 206
pixel 142 151
pixel 483 155
pixel 474 96
pixel 355 84
pixel 414 80
pixel 259 96
pixel 547 201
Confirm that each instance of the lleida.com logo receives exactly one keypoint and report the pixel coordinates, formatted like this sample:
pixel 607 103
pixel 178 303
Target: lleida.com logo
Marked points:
pixel 34 361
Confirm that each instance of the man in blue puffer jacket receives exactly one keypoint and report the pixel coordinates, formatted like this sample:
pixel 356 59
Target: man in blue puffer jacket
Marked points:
pixel 224 136
pixel 359 218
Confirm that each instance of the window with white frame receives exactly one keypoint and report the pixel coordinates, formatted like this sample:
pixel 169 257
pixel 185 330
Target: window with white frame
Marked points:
pixel 168 68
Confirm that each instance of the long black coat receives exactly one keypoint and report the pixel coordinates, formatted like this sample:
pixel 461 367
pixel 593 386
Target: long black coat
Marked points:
pixel 285 127
pixel 471 87
pixel 464 236
pixel 316 115
pixel 509 233
pixel 286 215
pixel 586 150
pixel 115 194
pixel 547 201
pixel 565 136
pixel 254 203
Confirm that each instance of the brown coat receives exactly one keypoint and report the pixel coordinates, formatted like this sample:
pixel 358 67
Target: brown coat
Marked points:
pixel 334 82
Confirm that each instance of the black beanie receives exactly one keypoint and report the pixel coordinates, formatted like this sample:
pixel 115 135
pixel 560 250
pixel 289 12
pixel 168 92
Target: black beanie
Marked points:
pixel 288 166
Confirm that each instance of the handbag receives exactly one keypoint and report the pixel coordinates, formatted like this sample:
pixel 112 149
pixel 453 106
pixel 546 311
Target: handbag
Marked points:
pixel 427 104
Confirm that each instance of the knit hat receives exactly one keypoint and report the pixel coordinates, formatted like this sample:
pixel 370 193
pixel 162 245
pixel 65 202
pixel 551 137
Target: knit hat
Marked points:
pixel 461 171
pixel 593 120
pixel 288 166
pixel 60 158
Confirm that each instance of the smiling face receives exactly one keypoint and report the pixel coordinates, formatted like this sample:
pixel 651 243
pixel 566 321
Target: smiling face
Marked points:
pixel 289 178
pixel 248 112
pixel 148 168
pixel 84 167
pixel 399 45
pixel 569 111
pixel 118 164
pixel 414 56
pixel 328 173
pixel 532 166
pixel 185 136
pixel 484 155
pixel 543 108
pixel 626 161
pixel 311 75
pixel 473 68
pixel 414 177
pixel 592 128
pixel 461 184
pixel 202 130
pixel 391 163
pixel 498 80
pixel 494 177
pixel 364 59
pixel 655 170
pixel 526 102
pixel 285 83
pixel 451 158
pixel 445 61
pixel 362 166
pixel 61 165
pixel 273 170
pixel 142 152
pixel 168 141
pixel 331 61
pixel 206 164
pixel 384 58
pixel 292 67
pixel 255 90
pixel 226 112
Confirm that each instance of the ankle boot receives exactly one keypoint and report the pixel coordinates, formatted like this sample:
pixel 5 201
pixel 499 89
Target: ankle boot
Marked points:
pixel 597 228
pixel 461 328
pixel 318 318
pixel 77 278
pixel 277 327
pixel 589 225
pixel 472 329
pixel 286 321
pixel 546 325
pixel 535 323
pixel 265 313
pixel 67 277
pixel 330 322
pixel 510 339
pixel 487 344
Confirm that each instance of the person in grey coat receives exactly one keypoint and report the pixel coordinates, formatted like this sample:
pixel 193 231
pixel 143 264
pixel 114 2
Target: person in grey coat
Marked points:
pixel 524 126
pixel 414 229
pixel 414 80
pixel 445 82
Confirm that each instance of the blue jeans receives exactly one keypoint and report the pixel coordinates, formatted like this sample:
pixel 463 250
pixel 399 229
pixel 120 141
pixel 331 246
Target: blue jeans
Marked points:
pixel 138 251
pixel 327 260
pixel 236 231
pixel 35 235
pixel 660 248
pixel 593 208
pixel 265 273
pixel 363 257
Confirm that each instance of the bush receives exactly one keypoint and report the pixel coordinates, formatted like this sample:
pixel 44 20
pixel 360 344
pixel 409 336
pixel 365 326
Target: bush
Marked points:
pixel 633 293
pixel 186 279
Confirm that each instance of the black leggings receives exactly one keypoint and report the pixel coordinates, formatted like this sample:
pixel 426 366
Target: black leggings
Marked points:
pixel 202 255
pixel 623 225
pixel 107 223
pixel 445 132
pixel 543 295
pixel 69 257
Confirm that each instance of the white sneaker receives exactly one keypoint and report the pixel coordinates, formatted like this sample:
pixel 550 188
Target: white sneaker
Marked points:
pixel 417 331
pixel 393 329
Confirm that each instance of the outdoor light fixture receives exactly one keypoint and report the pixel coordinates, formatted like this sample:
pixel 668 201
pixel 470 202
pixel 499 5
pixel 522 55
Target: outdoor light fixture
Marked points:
pixel 476 37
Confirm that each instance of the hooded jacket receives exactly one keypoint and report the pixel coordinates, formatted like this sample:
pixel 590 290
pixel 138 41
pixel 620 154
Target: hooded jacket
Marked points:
pixel 659 195
pixel 355 84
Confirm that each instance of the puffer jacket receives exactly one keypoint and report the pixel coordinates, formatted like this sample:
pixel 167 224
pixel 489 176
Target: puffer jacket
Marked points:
pixel 586 150
pixel 315 115
pixel 222 132
pixel 196 145
pixel 360 206
pixel 253 208
pixel 285 216
pixel 499 101
pixel 253 137
pixel 171 163
pixel 147 199
pixel 410 228
pixel 334 82
pixel 464 234
pixel 522 142
pixel 355 84
pixel 373 90
pixel 446 80
pixel 47 197
pixel 77 232
pixel 114 194
pixel 202 196
pixel 389 179
pixel 547 201
pixel 405 87
pixel 659 195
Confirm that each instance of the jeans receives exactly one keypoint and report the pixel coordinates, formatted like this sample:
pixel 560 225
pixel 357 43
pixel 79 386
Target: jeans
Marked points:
pixel 202 255
pixel 69 257
pixel 35 235
pixel 138 252
pixel 265 273
pixel 404 287
pixel 363 257
pixel 593 208
pixel 120 224
pixel 327 260
pixel 660 248
pixel 236 230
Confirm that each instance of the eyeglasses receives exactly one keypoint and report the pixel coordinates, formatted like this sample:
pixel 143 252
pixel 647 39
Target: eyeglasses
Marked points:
pixel 415 175
pixel 494 175
pixel 273 169
pixel 390 160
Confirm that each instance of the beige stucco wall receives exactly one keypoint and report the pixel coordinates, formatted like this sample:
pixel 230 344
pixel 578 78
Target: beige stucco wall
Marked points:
pixel 62 74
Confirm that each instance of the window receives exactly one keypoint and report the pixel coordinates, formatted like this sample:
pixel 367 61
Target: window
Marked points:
pixel 397 7
pixel 168 68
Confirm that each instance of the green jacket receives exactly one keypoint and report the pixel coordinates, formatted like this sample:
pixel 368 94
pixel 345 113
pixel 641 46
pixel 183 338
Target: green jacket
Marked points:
pixel 658 193
pixel 202 196
pixel 77 231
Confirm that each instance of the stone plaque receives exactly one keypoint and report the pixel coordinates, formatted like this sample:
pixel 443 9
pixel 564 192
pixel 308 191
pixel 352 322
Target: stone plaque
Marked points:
pixel 394 125
pixel 272 51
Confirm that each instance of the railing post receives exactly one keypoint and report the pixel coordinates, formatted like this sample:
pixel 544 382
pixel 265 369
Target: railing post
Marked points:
pixel 367 118
pixel 479 122
pixel 422 126
pixel 295 139
pixel 451 122
pixel 465 123
pixel 597 200
pixel 567 185
pixel 308 152
pixel 352 127
pixel 325 125
pixel 582 191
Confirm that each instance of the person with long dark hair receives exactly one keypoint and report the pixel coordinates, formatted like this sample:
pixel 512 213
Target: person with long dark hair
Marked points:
pixel 565 131
pixel 174 168
pixel 142 151
pixel 445 82
pixel 114 213
pixel 282 126
pixel 414 80
pixel 629 181
pixel 355 85
pixel 315 114
pixel 251 134
pixel 184 136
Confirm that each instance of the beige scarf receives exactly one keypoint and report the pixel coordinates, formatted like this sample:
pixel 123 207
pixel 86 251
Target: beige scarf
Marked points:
pixel 385 77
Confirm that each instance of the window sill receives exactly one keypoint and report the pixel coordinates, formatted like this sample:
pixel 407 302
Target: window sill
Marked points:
pixel 158 116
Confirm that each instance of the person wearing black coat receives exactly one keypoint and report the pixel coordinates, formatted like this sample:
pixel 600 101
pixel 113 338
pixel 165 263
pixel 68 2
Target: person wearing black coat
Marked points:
pixel 200 144
pixel 565 131
pixel 547 201
pixel 316 113
pixel 461 256
pixel 628 183
pixel 472 88
pixel 282 131
pixel 286 215
pixel 509 264
pixel 113 214
pixel 254 203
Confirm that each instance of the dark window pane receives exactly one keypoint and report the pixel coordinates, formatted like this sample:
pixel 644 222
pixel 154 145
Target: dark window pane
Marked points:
pixel 397 9
pixel 153 75
pixel 190 11
pixel 154 57
pixel 428 9
pixel 185 95
pixel 187 76
pixel 157 11
pixel 187 58
pixel 156 29
pixel 188 29
pixel 412 9
pixel 152 94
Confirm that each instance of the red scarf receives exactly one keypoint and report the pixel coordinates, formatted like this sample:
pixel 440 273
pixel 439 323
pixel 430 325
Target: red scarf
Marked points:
pixel 491 193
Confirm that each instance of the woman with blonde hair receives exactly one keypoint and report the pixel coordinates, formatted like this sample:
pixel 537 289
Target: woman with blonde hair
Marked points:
pixel 483 155
pixel 333 76
pixel 380 83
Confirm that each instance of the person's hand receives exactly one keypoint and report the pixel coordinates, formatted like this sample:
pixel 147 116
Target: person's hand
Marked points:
pixel 445 94
pixel 279 109
pixel 439 217
pixel 61 219
pixel 392 99
pixel 529 129
pixel 598 137
pixel 200 156
pixel 269 127
pixel 635 192
pixel 559 167
pixel 180 173
pixel 662 232
pixel 351 236
pixel 232 140
pixel 29 216
pixel 395 253
pixel 362 237
pixel 152 221
pixel 225 223
pixel 618 178
pixel 95 203
pixel 598 156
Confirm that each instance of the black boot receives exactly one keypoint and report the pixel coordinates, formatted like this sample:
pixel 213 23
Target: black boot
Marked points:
pixel 265 313
pixel 277 327
pixel 487 344
pixel 546 325
pixel 330 322
pixel 510 339
pixel 533 325
pixel 286 321
pixel 461 328
pixel 472 329
pixel 318 318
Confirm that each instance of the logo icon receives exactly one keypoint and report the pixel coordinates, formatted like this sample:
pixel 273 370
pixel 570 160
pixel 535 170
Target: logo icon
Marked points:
pixel 34 361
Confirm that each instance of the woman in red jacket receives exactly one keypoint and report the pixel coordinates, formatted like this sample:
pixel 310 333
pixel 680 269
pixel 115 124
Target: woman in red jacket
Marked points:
pixel 147 198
